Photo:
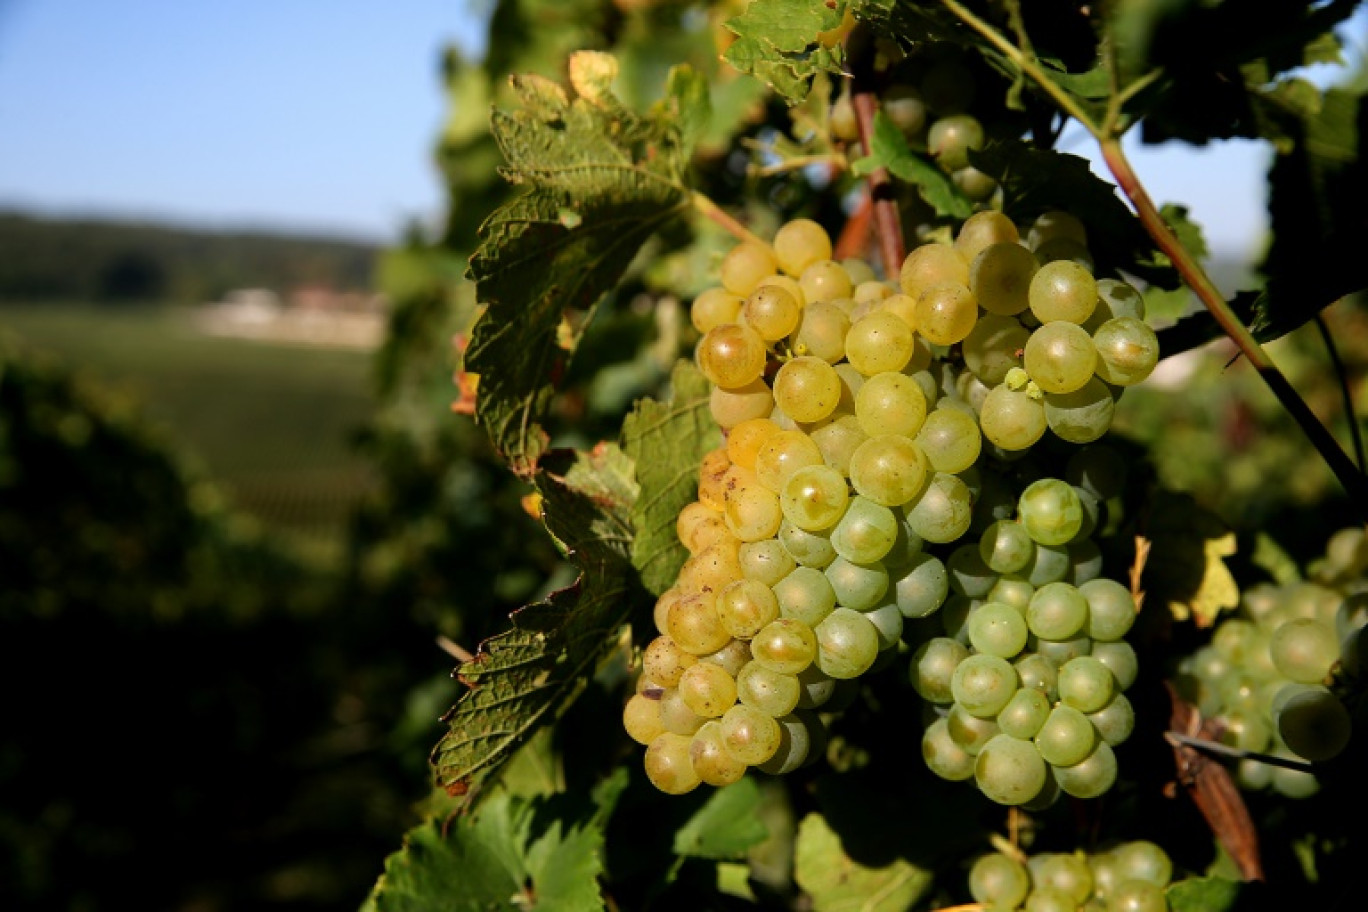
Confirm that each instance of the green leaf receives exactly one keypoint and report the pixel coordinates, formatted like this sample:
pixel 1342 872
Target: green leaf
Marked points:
pixel 512 852
pixel 889 149
pixel 667 441
pixel 528 675
pixel 1189 233
pixel 600 180
pixel 1036 180
pixel 777 42
pixel 726 826
pixel 1203 894
pixel 687 103
pixel 837 883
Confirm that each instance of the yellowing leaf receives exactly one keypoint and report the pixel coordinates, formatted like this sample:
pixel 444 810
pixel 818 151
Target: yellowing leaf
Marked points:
pixel 1186 570
pixel 838 883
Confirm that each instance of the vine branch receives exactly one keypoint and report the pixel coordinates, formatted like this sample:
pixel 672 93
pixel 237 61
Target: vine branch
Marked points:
pixel 887 220
pixel 1350 415
pixel 716 213
pixel 1353 480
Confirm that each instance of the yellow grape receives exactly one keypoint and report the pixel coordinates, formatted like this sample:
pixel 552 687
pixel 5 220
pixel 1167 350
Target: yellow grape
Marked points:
pixel 745 265
pixel 946 314
pixel 800 243
pixel 930 265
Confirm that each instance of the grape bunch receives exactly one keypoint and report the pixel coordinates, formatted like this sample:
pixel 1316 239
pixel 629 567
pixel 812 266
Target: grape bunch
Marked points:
pixel 1267 675
pixel 1026 682
pixel 1131 876
pixel 853 467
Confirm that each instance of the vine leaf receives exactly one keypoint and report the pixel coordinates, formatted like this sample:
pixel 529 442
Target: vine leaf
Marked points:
pixel 777 41
pixel 1186 569
pixel 667 441
pixel 1036 180
pixel 514 852
pixel 600 180
pixel 1203 894
pixel 530 674
pixel 838 883
pixel 889 150
pixel 726 826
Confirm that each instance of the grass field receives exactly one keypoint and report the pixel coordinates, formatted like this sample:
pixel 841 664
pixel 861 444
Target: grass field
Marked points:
pixel 272 424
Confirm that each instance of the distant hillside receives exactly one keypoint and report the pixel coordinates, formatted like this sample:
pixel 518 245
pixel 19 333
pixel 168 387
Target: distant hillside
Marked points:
pixel 96 260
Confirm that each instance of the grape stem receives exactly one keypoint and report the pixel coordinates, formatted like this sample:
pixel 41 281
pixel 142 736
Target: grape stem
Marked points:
pixel 834 160
pixel 1353 480
pixel 1236 753
pixel 887 220
pixel 716 213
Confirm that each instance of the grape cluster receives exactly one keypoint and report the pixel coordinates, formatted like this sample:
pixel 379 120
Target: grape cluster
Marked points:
pixel 855 491
pixel 1264 675
pixel 1027 681
pixel 1131 876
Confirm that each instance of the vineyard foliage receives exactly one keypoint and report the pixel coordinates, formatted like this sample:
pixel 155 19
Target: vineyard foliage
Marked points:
pixel 636 143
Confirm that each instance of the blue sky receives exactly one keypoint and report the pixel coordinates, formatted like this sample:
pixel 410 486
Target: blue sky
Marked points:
pixel 321 114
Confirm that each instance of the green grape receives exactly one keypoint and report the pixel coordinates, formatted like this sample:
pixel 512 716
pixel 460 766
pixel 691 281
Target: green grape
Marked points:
pixel 1000 277
pixel 1038 673
pixel 1086 684
pixel 807 389
pixel 730 657
pixel 731 407
pixel 1009 770
pixel 968 731
pixel 969 575
pixel 1050 511
pixel 1311 721
pixel 811 549
pixel 805 595
pixel 1052 565
pixel 801 739
pixel 930 265
pixel 955 616
pixel 866 532
pixel 1127 351
pixel 800 243
pixel 946 313
pixel 1057 611
pixel 1060 357
pixel 982 230
pixel 933 668
pixel 732 355
pixel 1006 547
pixel 1118 299
pixel 744 266
pixel 837 439
pixel 1025 713
pixel 817 687
pixel 890 403
pixel 825 280
pixel 847 644
pixel 785 645
pixel 765 561
pixel 1115 721
pixel 1304 650
pixel 997 629
pixel 983 684
pixel 707 689
pixel 942 512
pixel 1292 783
pixel 889 469
pixel 1066 738
pixel 999 881
pixel 1012 419
pixel 772 692
pixel 943 756
pixel 1091 777
pixel 994 346
pixel 781 455
pixel 752 512
pixel 1056 224
pixel 921 586
pixel 1083 415
pixel 822 332
pixel 641 719
pixel 773 312
pixel 951 440
pixel 951 138
pixel 857 586
pixel 668 765
pixel 1111 609
pixel 888 624
pixel 749 735
pixel 1061 651
pixel 1068 874
pixel 1012 590
pixel 814 498
pixel 1137 896
pixel 974 183
pixel 1144 861
pixel 842 120
pixel 714 307
pixel 1057 249
pixel 1062 290
pixel 905 106
pixel 879 342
